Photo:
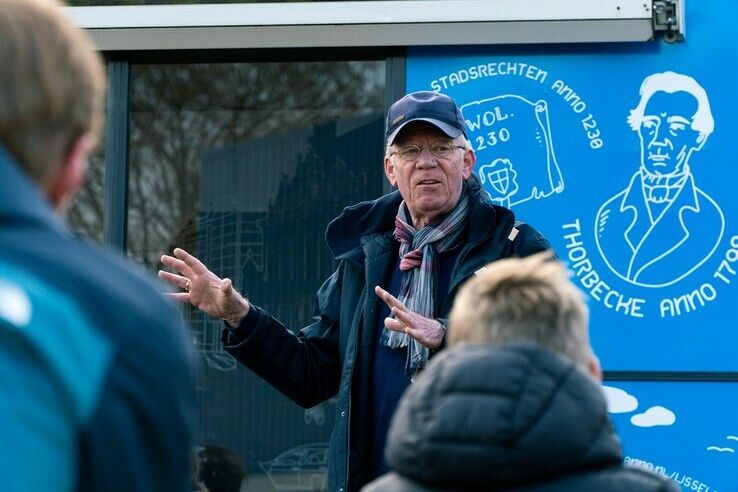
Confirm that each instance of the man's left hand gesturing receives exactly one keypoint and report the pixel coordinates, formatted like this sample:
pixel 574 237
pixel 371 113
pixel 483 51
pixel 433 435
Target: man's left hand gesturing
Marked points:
pixel 429 332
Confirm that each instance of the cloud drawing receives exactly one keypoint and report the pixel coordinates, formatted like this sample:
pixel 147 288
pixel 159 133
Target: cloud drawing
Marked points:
pixel 653 417
pixel 720 450
pixel 619 401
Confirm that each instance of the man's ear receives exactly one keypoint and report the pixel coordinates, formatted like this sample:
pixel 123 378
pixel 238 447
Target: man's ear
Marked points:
pixel 70 173
pixel 469 160
pixel 701 139
pixel 594 368
pixel 389 171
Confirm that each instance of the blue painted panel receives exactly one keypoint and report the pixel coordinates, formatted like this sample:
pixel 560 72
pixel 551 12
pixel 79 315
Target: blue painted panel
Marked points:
pixel 636 193
pixel 685 431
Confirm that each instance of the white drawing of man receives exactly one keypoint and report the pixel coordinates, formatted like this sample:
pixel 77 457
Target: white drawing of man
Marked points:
pixel 662 226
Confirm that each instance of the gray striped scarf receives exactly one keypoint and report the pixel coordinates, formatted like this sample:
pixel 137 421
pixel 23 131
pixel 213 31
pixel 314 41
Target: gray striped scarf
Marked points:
pixel 419 253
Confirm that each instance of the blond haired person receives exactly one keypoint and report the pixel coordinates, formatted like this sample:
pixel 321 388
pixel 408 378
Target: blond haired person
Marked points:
pixel 514 404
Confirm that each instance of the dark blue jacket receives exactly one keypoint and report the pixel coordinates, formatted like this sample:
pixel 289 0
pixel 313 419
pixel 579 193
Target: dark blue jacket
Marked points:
pixel 333 356
pixel 95 369
pixel 509 418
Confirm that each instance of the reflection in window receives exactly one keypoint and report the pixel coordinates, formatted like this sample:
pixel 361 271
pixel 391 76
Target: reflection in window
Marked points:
pixel 244 165
pixel 85 216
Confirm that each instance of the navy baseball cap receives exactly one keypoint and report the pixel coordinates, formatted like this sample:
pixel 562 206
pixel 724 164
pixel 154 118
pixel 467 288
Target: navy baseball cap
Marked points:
pixel 433 107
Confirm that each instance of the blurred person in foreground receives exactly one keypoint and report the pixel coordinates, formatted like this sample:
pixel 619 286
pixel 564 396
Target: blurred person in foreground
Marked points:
pixel 95 369
pixel 515 404
pixel 382 314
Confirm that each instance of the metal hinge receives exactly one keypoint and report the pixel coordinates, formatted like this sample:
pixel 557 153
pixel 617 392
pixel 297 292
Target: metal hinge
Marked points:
pixel 668 16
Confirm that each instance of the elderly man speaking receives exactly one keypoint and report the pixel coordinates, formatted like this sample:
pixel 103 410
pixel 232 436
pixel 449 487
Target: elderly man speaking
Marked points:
pixel 410 249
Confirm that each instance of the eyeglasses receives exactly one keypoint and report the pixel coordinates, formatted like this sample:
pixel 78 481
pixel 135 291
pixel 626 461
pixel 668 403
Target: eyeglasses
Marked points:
pixel 442 150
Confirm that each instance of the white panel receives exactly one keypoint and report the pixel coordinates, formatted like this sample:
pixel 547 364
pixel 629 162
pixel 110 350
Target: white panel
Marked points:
pixel 341 13
pixel 370 23
pixel 348 36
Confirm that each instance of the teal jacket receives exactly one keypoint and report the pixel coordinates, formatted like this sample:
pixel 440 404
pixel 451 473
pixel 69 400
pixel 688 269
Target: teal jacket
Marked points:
pixel 95 369
pixel 333 356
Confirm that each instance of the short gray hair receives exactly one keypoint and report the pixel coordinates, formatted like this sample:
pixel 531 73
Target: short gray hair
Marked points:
pixel 517 300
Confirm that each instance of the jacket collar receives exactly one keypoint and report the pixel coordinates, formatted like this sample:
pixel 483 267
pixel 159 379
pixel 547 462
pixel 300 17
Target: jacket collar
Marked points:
pixel 687 196
pixel 21 200
pixel 653 239
pixel 368 226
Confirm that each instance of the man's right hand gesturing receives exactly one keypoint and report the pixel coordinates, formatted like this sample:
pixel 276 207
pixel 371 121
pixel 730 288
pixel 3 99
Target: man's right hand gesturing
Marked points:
pixel 203 289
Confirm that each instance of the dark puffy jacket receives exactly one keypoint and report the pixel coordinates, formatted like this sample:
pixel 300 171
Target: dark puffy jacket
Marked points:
pixel 334 355
pixel 507 418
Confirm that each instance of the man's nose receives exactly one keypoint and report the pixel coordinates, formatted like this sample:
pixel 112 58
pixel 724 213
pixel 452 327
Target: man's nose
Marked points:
pixel 426 158
pixel 661 137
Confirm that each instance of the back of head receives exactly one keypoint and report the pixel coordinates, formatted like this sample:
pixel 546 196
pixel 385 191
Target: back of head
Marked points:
pixel 523 300
pixel 52 85
pixel 492 417
pixel 506 408
pixel 220 469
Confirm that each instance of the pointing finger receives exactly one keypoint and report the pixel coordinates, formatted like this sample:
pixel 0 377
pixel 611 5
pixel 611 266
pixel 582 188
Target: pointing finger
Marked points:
pixel 389 299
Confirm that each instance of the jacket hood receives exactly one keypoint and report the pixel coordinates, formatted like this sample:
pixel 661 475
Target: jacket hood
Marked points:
pixel 344 233
pixel 488 417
